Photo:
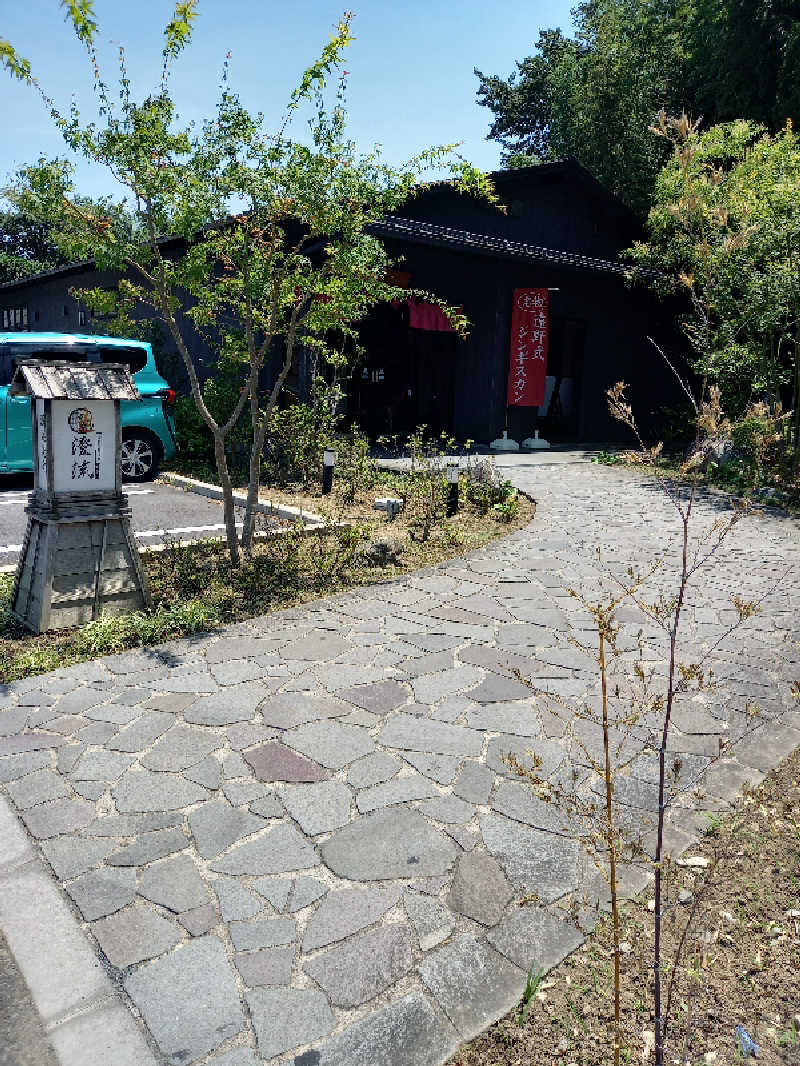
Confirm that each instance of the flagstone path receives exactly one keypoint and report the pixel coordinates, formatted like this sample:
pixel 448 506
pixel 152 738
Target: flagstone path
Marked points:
pixel 295 840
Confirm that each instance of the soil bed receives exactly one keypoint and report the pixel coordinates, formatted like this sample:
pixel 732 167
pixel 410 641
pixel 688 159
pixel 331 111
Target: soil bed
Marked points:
pixel 740 966
pixel 195 588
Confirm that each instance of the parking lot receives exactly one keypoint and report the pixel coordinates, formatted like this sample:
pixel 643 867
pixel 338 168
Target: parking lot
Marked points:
pixel 159 511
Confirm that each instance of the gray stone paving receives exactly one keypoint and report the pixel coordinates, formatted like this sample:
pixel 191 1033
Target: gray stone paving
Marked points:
pixel 297 840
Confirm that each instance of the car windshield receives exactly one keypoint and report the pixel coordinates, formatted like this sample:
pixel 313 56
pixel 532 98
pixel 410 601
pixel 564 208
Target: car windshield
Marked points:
pixel 134 357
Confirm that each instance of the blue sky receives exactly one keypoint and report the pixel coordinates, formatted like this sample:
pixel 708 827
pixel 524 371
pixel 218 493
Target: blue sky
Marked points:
pixel 411 80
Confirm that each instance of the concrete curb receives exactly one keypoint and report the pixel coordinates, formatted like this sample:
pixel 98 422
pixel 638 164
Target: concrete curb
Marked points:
pixel 214 492
pixel 82 1011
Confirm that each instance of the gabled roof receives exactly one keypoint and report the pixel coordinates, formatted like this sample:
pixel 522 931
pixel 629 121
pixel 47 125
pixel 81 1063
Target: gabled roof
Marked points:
pixel 409 229
pixel 59 380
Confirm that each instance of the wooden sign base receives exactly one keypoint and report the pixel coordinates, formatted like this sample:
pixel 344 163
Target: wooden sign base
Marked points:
pixel 79 560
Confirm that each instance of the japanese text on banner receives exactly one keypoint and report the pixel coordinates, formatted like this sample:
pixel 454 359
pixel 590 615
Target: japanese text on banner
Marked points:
pixel 530 329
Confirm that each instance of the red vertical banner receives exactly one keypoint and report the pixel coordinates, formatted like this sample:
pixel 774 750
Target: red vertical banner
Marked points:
pixel 530 330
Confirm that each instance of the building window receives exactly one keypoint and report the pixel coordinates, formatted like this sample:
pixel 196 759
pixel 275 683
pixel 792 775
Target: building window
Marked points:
pixel 81 317
pixel 15 318
pixel 66 311
pixel 35 316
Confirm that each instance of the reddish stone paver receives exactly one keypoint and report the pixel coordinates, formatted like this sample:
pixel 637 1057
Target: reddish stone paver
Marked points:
pixel 276 762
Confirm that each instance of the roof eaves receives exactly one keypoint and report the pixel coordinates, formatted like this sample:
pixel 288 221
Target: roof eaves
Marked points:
pixel 487 244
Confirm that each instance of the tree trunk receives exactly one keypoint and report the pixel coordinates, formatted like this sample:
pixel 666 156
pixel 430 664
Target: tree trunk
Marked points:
pixel 229 509
pixel 253 486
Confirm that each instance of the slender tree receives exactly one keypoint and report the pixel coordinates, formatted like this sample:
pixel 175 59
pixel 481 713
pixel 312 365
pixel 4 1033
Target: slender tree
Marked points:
pixel 255 240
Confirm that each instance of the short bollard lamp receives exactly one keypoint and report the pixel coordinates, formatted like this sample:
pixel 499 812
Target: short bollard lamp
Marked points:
pixel 328 463
pixel 452 489
pixel 79 558
pixel 390 504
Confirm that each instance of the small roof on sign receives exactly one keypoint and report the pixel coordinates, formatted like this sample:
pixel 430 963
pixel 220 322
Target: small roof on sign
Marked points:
pixel 60 380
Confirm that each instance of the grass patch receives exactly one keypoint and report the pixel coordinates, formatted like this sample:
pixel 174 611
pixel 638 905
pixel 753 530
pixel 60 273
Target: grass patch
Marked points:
pixel 195 588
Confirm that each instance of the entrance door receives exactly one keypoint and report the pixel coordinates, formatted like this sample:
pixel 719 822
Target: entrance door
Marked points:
pixel 433 359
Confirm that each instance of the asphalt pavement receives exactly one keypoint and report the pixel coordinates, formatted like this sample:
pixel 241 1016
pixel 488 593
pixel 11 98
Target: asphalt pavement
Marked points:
pixel 159 511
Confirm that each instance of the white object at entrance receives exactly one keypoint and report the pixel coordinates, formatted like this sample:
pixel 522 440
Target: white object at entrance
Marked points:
pixel 504 444
pixel 535 442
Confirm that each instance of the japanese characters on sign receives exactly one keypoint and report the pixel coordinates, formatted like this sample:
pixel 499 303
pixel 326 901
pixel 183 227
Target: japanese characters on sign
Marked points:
pixel 83 445
pixel 41 440
pixel 530 329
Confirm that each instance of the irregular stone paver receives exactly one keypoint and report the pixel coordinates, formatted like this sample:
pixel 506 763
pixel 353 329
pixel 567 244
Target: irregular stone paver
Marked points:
pixel 447 809
pixel 363 966
pixel 188 999
pixel 399 790
pixel 287 710
pixel 207 773
pixel 250 742
pixel 277 890
pixel 236 901
pixel 135 934
pixel 183 746
pixel 142 733
pixel 533 860
pixel 175 884
pixel 407 731
pixel 271 966
pixel 409 1031
pixel 516 800
pixel 287 1018
pixel 373 769
pixel 267 933
pixel 429 688
pixel 143 790
pixel 306 890
pixel 101 766
pixel 235 703
pixel 216 825
pixel 480 889
pixel 60 816
pixel 279 850
pixel 130 825
pixel 474 783
pixel 276 762
pixel 199 920
pixel 381 697
pixel 386 845
pixel 330 743
pixel 149 847
pixel 432 921
pixel 318 808
pixel 474 984
pixel 348 911
pixel 103 892
pixel 441 768
pixel 38 787
pixel 73 855
pixel 534 939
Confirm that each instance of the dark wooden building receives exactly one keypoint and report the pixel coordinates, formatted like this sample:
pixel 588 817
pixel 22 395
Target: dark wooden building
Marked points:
pixel 561 230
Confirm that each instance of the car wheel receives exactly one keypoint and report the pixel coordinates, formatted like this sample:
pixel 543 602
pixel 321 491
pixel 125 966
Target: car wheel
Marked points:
pixel 140 456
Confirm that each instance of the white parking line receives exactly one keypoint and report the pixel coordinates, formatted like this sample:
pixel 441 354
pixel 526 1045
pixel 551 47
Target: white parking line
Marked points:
pixel 183 529
pixel 10 548
pixel 11 500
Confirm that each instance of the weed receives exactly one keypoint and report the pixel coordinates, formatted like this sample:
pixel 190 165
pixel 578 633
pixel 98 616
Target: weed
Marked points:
pixel 532 982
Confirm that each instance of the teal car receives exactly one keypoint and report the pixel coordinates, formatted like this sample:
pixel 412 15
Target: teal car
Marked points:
pixel 148 425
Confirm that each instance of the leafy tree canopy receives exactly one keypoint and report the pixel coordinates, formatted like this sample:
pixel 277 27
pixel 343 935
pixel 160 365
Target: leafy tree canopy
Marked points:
pixel 594 95
pixel 725 229
pixel 275 246
pixel 26 246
